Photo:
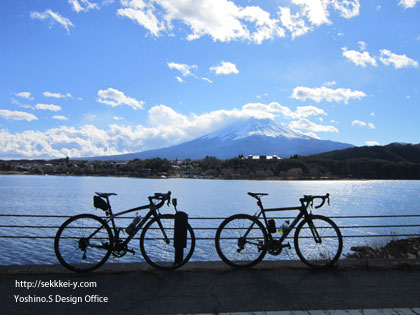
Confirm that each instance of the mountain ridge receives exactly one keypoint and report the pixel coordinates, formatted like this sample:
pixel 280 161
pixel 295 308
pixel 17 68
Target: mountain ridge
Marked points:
pixel 247 137
pixel 394 152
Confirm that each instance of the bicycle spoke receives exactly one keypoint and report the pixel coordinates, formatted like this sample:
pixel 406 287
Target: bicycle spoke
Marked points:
pixel 158 248
pixel 76 249
pixel 238 244
pixel 319 243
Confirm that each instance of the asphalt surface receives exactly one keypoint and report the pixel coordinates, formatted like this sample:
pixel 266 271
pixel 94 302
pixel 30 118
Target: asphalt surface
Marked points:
pixel 208 287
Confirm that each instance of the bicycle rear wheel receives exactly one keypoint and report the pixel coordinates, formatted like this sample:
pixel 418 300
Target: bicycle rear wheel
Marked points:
pixel 319 254
pixel 161 253
pixel 241 241
pixel 76 249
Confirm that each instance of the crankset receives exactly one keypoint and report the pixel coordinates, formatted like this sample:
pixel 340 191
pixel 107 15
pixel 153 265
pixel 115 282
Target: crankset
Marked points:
pixel 275 247
pixel 119 249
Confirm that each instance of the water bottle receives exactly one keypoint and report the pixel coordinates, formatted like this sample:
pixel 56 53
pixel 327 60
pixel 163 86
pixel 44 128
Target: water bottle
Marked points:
pixel 284 227
pixel 131 228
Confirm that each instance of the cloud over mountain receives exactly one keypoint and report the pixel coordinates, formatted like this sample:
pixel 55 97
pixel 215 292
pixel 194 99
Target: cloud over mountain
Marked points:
pixel 166 127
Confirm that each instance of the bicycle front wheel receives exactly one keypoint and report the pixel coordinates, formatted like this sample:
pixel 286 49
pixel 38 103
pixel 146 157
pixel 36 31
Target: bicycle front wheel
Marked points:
pixel 241 241
pixel 318 242
pixel 83 243
pixel 159 249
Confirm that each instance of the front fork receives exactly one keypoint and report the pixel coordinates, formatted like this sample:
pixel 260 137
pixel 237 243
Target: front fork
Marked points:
pixel 314 232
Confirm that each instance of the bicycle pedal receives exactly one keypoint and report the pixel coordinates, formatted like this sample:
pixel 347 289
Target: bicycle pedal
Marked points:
pixel 131 251
pixel 286 246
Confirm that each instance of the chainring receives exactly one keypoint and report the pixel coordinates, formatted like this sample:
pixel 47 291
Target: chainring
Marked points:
pixel 119 249
pixel 274 248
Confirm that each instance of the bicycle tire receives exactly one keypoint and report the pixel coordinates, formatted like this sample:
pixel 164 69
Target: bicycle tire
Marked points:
pixel 318 255
pixel 70 239
pixel 156 251
pixel 228 239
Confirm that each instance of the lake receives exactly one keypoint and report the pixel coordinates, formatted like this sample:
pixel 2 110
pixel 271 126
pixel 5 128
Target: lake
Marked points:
pixel 70 195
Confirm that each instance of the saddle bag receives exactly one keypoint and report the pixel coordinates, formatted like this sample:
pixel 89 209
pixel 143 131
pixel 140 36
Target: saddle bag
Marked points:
pixel 98 202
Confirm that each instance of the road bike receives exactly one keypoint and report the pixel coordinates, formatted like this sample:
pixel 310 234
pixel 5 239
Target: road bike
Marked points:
pixel 84 242
pixel 243 240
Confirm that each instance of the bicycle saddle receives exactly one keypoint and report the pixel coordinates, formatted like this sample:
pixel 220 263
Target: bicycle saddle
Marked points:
pixel 105 194
pixel 257 195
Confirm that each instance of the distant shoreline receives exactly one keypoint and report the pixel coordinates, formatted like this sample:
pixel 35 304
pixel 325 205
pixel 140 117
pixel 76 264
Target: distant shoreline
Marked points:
pixel 207 178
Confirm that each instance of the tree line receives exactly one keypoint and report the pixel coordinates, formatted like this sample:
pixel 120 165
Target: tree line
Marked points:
pixel 295 167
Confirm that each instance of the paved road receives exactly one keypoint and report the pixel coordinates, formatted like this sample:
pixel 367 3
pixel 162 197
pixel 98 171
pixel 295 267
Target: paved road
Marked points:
pixel 207 288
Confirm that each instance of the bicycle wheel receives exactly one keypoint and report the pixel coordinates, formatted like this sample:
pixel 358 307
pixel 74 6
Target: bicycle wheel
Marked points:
pixel 159 253
pixel 76 249
pixel 241 241
pixel 327 250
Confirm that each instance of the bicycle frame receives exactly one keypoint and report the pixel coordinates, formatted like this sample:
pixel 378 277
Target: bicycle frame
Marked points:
pixel 303 212
pixel 116 231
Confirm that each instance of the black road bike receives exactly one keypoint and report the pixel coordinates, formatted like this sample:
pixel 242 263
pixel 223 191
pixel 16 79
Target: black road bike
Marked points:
pixel 84 242
pixel 243 240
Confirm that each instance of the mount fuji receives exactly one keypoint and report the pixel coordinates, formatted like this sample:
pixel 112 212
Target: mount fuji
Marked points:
pixel 248 137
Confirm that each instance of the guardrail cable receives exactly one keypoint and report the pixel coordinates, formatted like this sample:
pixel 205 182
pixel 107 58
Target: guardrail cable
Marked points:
pixel 8 228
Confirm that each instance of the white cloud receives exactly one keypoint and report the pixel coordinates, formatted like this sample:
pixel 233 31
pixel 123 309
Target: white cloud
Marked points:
pixel 25 95
pixel 293 23
pixel 222 20
pixel 51 107
pixel 27 106
pixel 84 6
pixel 142 12
pixel 60 142
pixel 56 95
pixel 313 13
pixel 115 98
pixel 306 124
pixel 362 45
pixel 59 117
pixel 360 123
pixel 118 118
pixel 359 58
pixel 179 79
pixel 186 70
pixel 206 79
pixel 408 3
pixel 398 61
pixel 347 8
pixel 324 93
pixel 225 67
pixel 371 143
pixel 329 83
pixel 16 115
pixel 53 17
pixel 310 134
pixel 372 114
pixel 315 10
pixel 166 127
pixel 283 111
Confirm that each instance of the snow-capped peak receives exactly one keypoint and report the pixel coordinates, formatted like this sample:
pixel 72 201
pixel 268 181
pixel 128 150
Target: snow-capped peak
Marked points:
pixel 254 126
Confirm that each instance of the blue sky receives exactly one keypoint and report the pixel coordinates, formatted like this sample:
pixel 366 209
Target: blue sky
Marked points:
pixel 97 77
